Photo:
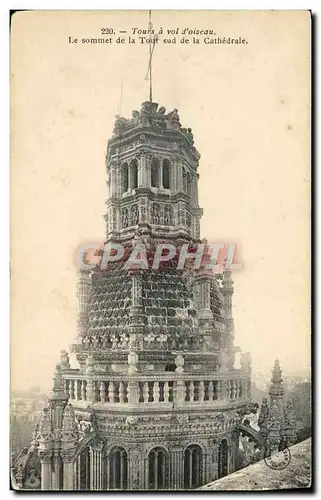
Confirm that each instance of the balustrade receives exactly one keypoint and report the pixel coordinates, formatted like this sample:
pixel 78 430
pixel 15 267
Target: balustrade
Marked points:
pixel 174 389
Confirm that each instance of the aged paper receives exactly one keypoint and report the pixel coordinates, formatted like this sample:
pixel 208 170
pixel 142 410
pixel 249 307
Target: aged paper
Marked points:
pixel 241 81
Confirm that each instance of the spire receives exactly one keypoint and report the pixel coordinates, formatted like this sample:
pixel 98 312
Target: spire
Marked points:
pixel 276 388
pixel 276 373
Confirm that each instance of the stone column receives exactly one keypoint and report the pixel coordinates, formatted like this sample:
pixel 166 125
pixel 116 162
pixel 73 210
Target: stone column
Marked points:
pixel 207 468
pixel 176 476
pixel 230 461
pixel 235 438
pixel 96 466
pixel 57 471
pixel 214 468
pixel 145 482
pixel 46 469
pixel 173 174
pixel 118 182
pixel 68 469
pixel 160 174
pixel 113 181
pixel 141 168
pixel 180 180
pixel 196 189
pixel 106 472
pixel 144 171
pixel 130 178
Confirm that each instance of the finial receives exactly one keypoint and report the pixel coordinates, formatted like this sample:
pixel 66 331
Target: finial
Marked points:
pixel 276 372
pixel 152 42
pixel 150 59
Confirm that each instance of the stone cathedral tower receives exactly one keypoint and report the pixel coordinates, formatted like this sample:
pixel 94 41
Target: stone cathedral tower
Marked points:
pixel 155 402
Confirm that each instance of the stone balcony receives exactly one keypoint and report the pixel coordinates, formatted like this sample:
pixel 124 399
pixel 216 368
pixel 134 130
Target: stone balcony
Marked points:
pixel 159 388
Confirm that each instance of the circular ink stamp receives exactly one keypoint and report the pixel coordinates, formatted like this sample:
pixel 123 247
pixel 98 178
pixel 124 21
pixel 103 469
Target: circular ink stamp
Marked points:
pixel 278 461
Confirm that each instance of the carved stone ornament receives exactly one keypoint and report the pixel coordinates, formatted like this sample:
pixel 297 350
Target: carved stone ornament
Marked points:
pixel 45 456
pixel 64 360
pixel 58 387
pixel 290 414
pixel 179 361
pixel 131 420
pixel 90 364
pixel 84 427
pixel 274 417
pixel 45 426
pixel 69 430
pixel 67 455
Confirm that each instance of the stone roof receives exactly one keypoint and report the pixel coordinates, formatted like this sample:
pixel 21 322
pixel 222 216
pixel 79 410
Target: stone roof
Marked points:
pixel 109 307
pixel 297 474
pixel 167 302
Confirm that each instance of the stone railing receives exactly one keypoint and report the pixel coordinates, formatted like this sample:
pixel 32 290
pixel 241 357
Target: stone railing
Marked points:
pixel 164 388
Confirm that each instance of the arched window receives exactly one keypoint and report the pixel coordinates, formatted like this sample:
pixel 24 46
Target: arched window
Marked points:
pixel 166 173
pixel 157 473
pixel 154 172
pixel 223 458
pixel 192 467
pixel 124 178
pixel 134 174
pixel 83 470
pixel 118 469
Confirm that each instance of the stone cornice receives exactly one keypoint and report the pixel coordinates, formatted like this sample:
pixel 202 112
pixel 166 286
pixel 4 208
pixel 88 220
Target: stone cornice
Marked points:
pixel 172 137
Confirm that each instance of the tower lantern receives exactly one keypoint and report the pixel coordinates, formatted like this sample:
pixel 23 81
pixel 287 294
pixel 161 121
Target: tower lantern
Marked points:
pixel 152 169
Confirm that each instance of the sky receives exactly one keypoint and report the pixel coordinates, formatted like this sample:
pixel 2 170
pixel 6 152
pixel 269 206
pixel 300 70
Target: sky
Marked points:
pixel 249 108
